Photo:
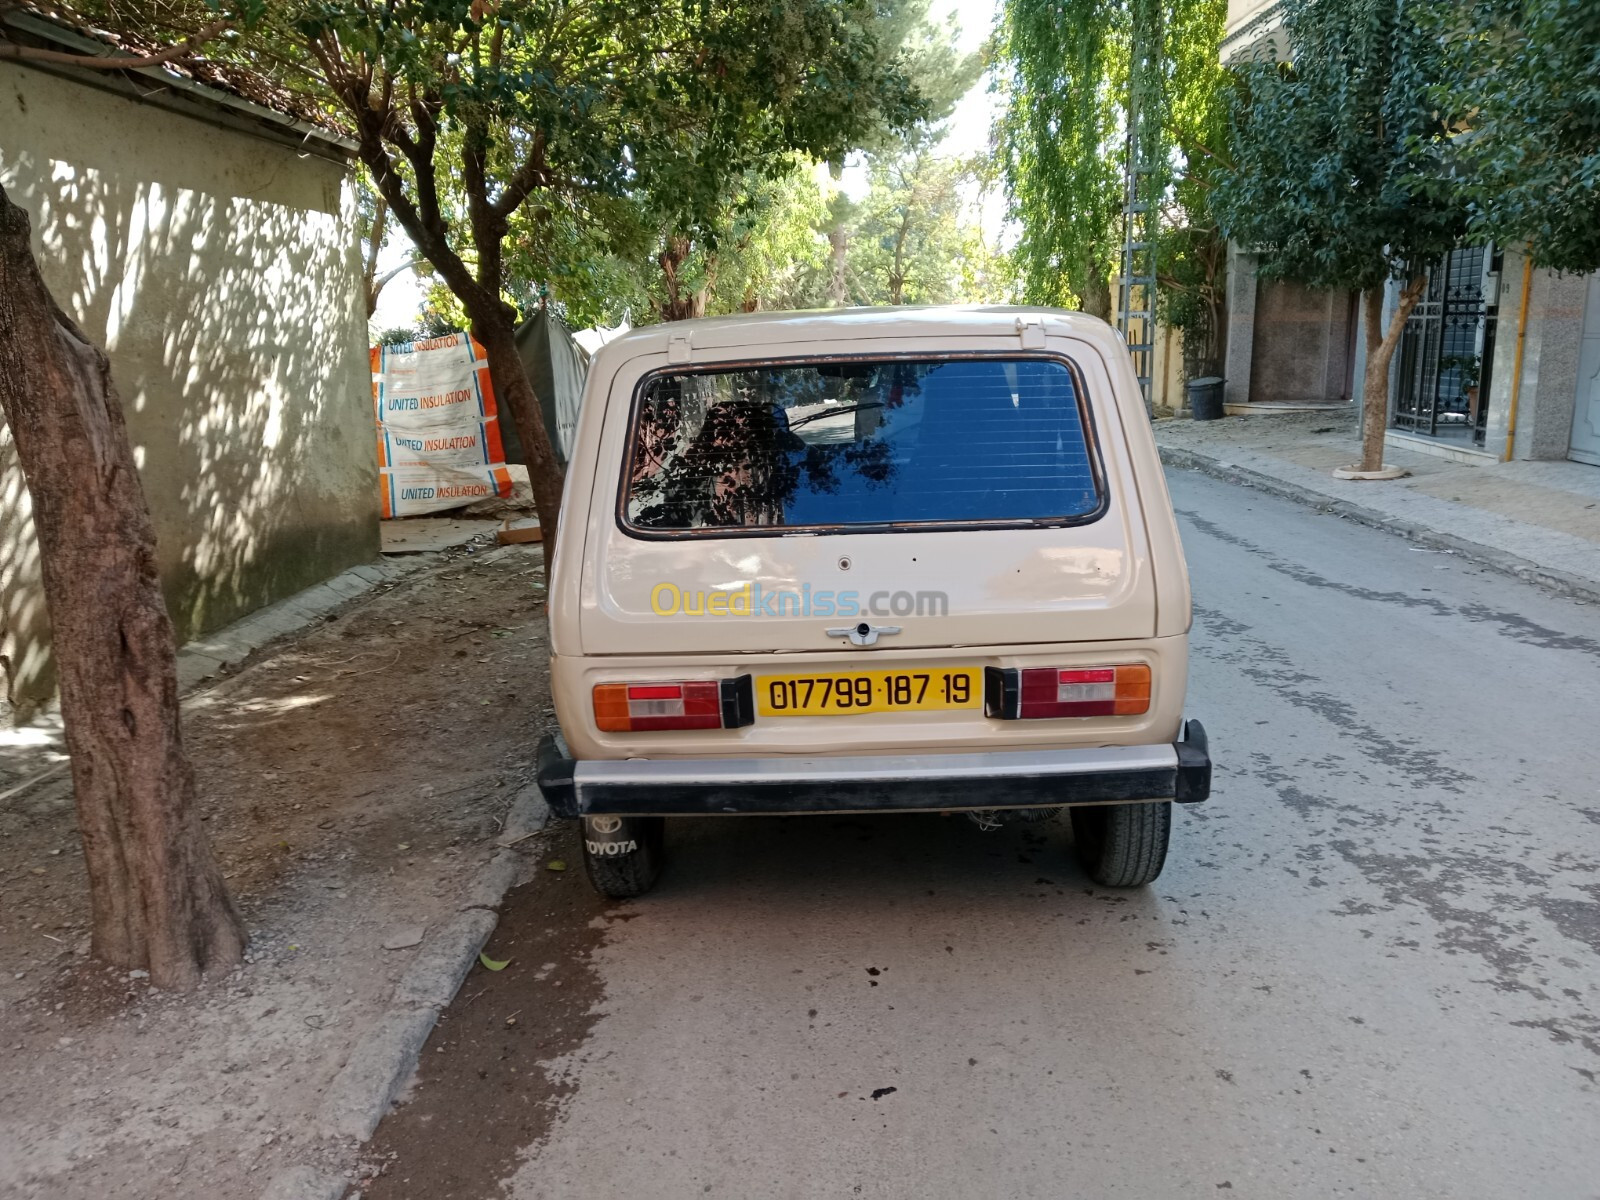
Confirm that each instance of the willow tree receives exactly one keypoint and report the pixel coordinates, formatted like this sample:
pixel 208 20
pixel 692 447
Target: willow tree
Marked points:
pixel 1340 176
pixel 1066 72
pixel 1063 133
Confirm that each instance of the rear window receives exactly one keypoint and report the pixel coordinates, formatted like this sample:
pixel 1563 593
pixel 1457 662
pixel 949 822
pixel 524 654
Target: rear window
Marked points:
pixel 860 443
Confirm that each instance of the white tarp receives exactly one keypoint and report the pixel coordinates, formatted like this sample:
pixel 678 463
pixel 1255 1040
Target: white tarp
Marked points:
pixel 438 432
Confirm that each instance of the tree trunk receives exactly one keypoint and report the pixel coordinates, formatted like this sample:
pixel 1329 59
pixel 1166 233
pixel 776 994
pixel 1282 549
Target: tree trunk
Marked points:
pixel 1381 345
pixel 1096 295
pixel 374 248
pixel 495 328
pixel 156 894
pixel 679 304
pixel 838 243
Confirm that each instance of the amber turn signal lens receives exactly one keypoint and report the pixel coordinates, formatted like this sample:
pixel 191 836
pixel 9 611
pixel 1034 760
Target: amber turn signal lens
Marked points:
pixel 1133 691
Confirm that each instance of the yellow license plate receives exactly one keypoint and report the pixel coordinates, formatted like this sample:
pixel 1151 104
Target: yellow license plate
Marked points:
pixel 847 693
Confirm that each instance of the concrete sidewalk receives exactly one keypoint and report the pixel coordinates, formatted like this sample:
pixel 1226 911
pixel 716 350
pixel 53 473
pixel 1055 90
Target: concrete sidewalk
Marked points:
pixel 1537 520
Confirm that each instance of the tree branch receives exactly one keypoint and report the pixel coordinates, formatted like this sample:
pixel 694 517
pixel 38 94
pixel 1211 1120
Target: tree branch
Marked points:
pixel 488 227
pixel 530 174
pixel 101 62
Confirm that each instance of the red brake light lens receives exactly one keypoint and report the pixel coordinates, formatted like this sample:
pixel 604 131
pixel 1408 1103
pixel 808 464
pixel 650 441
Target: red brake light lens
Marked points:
pixel 644 707
pixel 1084 691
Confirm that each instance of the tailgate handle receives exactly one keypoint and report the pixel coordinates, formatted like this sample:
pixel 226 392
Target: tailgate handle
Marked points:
pixel 863 634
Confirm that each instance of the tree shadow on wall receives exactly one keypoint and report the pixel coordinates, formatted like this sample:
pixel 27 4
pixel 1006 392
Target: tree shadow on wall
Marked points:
pixel 225 288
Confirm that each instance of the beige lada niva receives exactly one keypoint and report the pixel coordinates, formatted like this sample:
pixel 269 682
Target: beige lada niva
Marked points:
pixel 869 561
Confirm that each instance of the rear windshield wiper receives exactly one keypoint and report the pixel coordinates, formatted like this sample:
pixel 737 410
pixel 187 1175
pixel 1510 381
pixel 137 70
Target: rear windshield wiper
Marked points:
pixel 835 412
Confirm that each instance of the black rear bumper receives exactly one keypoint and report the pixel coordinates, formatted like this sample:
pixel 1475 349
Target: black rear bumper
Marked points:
pixel 931 783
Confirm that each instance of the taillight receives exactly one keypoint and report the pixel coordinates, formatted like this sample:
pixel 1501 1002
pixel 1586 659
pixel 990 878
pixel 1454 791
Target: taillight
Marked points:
pixel 694 704
pixel 1036 692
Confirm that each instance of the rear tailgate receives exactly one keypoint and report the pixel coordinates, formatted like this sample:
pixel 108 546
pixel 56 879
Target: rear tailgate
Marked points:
pixel 775 590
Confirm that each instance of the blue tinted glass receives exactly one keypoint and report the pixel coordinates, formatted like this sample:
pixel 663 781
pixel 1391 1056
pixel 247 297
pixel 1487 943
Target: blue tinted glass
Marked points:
pixel 861 443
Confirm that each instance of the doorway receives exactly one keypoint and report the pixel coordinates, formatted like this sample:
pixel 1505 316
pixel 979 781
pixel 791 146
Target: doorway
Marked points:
pixel 1447 349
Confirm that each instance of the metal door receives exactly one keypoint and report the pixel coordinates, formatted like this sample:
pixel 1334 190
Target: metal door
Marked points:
pixel 1447 349
pixel 1585 446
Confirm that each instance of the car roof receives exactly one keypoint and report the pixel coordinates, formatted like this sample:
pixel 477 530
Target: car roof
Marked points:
pixel 764 329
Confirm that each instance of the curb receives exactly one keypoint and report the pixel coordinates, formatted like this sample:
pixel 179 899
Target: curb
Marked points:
pixel 384 1058
pixel 1560 583
pixel 208 657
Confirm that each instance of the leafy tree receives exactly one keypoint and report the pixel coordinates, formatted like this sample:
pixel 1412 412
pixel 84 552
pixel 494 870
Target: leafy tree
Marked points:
pixel 1067 69
pixel 473 114
pixel 1524 77
pixel 1337 177
pixel 1191 253
pixel 914 237
pixel 772 255
pixel 688 247
pixel 1063 133
pixel 942 76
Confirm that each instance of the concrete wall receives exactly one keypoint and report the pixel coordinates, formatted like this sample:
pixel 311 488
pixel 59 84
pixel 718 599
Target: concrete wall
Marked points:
pixel 220 270
pixel 1166 368
pixel 1550 365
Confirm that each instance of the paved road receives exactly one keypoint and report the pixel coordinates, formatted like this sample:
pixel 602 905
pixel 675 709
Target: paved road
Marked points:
pixel 1372 966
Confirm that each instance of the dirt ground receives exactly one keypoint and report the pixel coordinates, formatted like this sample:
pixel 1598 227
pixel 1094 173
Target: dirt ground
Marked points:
pixel 353 780
pixel 490 1080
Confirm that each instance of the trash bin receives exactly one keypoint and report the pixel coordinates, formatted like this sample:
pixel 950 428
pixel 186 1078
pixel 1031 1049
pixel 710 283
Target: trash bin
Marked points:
pixel 1205 398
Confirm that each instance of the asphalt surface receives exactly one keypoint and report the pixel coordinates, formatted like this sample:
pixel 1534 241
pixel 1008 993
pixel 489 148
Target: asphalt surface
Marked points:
pixel 1371 967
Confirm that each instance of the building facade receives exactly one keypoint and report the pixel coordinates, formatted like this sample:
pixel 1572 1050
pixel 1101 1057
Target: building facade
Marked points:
pixel 209 244
pixel 1455 386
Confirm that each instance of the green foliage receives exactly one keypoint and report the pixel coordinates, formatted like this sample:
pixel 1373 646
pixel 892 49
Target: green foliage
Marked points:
pixel 913 240
pixel 1338 177
pixel 578 144
pixel 941 74
pixel 1066 67
pixel 1063 134
pixel 516 139
pixel 773 256
pixel 1191 253
pixel 1524 77
pixel 690 246
pixel 819 77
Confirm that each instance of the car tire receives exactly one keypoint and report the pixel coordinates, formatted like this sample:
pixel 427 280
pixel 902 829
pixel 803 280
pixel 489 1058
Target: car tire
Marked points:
pixel 632 870
pixel 1122 845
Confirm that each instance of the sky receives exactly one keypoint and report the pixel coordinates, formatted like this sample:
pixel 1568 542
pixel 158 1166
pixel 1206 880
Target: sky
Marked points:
pixel 967 132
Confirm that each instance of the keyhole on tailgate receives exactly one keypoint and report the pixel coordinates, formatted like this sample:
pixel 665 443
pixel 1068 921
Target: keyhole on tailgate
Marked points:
pixel 844 564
